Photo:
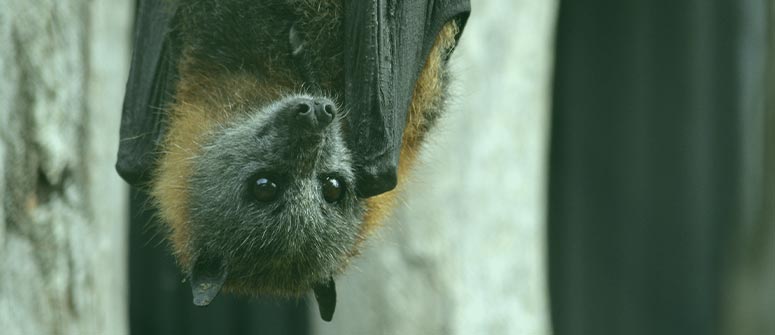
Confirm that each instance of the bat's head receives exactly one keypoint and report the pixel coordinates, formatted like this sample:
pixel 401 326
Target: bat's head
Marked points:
pixel 272 204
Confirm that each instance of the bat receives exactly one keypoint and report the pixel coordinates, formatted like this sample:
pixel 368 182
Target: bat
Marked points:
pixel 269 133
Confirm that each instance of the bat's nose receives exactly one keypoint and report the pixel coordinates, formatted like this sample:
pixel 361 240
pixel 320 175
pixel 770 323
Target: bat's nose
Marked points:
pixel 315 113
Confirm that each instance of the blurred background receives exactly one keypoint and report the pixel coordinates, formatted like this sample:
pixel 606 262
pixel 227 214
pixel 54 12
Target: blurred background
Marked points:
pixel 603 168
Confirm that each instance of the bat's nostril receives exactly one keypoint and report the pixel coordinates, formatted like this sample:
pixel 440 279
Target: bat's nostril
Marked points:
pixel 329 109
pixel 324 112
pixel 304 113
pixel 302 108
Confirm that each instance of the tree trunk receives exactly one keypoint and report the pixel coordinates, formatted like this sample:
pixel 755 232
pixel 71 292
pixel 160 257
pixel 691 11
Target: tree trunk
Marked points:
pixel 63 227
pixel 464 254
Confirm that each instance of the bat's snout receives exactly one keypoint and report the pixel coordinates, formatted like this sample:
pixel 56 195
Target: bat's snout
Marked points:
pixel 314 113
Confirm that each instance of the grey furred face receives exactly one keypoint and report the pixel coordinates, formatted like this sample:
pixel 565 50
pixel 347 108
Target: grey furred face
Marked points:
pixel 273 207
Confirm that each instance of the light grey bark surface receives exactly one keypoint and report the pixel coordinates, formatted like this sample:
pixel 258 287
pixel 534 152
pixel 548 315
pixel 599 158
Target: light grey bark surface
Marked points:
pixel 464 252
pixel 63 65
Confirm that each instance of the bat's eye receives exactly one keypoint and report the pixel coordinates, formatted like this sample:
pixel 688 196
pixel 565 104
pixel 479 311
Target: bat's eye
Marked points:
pixel 265 190
pixel 332 189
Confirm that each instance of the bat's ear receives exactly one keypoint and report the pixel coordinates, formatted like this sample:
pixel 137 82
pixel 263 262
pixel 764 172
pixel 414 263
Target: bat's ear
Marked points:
pixel 325 294
pixel 152 77
pixel 207 277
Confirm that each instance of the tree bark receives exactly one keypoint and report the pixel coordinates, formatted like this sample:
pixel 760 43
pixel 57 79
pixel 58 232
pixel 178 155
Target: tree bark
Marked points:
pixel 63 227
pixel 464 253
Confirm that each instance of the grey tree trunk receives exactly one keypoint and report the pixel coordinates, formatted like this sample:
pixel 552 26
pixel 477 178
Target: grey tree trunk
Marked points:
pixel 63 226
pixel 464 254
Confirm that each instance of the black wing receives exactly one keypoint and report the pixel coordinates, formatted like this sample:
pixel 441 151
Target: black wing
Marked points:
pixel 387 44
pixel 151 77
